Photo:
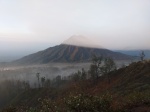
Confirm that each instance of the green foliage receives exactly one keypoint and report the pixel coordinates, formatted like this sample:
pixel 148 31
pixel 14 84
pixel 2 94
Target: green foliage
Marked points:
pixel 47 83
pixel 9 109
pixel 43 81
pixel 38 78
pixel 95 69
pixel 134 101
pixel 89 103
pixel 138 97
pixel 46 105
pixel 32 110
pixel 109 65
pixel 79 76
pixel 83 74
pixel 76 76
pixel 57 81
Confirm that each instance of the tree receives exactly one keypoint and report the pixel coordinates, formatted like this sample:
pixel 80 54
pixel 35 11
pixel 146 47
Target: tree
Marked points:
pixel 56 82
pixel 109 65
pixel 95 69
pixel 38 77
pixel 76 76
pixel 142 55
pixel 42 81
pixel 26 85
pixel 48 83
pixel 83 74
pixel 18 85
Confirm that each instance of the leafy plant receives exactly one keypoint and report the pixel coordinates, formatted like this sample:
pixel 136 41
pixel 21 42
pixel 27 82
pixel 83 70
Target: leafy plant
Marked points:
pixel 89 103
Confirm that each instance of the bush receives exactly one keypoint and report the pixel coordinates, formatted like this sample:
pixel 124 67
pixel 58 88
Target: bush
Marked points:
pixel 136 99
pixel 88 103
pixel 10 109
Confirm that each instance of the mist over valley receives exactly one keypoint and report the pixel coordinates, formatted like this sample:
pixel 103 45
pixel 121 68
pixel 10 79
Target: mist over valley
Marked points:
pixel 49 71
pixel 62 60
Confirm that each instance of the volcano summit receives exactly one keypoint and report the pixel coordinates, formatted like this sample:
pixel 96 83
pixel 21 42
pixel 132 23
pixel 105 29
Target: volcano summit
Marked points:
pixel 75 49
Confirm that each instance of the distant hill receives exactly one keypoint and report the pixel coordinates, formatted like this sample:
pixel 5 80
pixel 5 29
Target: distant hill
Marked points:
pixel 66 52
pixel 135 53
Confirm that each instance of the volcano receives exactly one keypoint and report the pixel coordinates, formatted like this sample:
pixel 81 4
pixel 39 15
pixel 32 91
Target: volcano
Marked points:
pixel 74 49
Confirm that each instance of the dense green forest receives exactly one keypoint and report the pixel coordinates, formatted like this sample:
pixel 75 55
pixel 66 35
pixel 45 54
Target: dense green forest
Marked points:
pixel 103 88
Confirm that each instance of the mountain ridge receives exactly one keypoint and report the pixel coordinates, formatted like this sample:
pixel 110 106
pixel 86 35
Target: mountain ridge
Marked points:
pixel 69 53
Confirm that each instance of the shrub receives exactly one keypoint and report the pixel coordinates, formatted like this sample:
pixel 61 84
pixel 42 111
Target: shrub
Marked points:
pixel 88 103
pixel 136 99
pixel 9 109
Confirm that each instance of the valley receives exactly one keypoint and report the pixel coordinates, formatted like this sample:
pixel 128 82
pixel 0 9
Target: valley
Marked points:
pixel 49 71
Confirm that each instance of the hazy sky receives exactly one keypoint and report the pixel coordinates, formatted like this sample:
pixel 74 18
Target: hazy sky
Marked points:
pixel 27 26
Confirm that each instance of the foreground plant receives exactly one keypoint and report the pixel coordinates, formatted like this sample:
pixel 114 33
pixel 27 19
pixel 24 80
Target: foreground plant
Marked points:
pixel 89 103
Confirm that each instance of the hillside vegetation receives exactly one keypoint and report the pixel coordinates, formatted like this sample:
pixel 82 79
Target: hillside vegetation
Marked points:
pixel 127 90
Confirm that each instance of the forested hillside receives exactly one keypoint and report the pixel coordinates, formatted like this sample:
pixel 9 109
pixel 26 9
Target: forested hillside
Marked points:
pixel 102 88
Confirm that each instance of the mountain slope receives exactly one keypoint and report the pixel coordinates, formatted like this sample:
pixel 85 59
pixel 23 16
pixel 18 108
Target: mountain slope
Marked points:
pixel 129 89
pixel 69 53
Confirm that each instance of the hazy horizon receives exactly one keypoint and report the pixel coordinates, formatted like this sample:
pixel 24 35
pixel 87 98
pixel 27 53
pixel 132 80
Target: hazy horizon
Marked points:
pixel 33 25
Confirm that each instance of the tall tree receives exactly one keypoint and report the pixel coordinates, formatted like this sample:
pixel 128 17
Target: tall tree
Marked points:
pixel 58 80
pixel 48 83
pixel 95 70
pixel 109 65
pixel 142 55
pixel 43 81
pixel 83 74
pixel 38 78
